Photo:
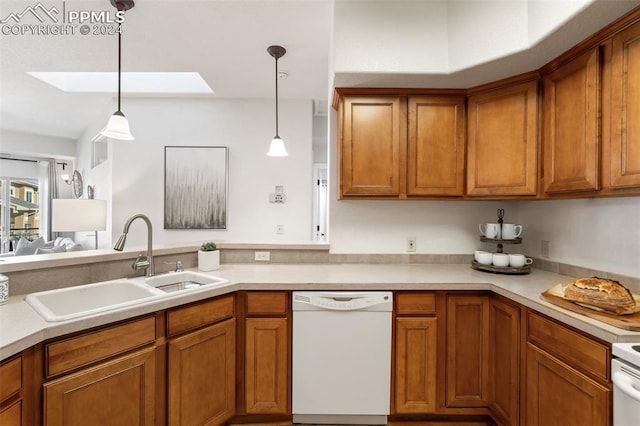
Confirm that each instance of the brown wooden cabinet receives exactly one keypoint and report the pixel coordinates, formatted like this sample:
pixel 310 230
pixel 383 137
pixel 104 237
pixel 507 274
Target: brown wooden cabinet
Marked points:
pixel 415 352
pixel 372 137
pixel 467 369
pixel 504 365
pixel 502 147
pixel 11 385
pixel 105 376
pixel 435 153
pixel 567 375
pixel 117 392
pixel 201 362
pixel 267 357
pixel 558 394
pixel 571 106
pixel 401 146
pixel 621 109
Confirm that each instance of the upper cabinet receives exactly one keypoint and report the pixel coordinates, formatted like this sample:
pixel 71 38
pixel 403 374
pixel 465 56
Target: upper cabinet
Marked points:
pixel 372 136
pixel 435 155
pixel 398 146
pixel 571 113
pixel 621 109
pixel 502 150
pixel 569 129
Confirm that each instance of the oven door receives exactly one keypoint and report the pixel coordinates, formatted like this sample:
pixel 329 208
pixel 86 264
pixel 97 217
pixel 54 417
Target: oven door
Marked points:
pixel 626 393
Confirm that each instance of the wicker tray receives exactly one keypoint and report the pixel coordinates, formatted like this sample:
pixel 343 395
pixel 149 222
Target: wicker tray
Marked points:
pixel 509 270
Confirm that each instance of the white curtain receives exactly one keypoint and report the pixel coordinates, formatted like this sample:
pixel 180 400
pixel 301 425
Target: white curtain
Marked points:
pixel 49 188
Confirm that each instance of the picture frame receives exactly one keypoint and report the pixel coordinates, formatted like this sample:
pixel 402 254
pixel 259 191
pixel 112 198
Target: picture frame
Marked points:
pixel 196 186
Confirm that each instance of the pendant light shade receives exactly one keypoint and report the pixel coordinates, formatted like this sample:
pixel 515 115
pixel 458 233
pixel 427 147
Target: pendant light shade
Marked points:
pixel 118 125
pixel 277 149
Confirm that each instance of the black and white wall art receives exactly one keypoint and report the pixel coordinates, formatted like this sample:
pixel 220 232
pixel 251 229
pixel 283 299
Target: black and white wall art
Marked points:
pixel 195 187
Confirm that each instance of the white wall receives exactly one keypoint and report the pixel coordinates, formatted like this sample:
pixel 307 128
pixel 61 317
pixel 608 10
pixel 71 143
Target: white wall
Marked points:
pixel 601 233
pixel 391 36
pixel 29 144
pixel 246 127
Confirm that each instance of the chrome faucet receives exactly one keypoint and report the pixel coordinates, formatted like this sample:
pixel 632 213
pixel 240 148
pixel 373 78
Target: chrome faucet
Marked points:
pixel 140 262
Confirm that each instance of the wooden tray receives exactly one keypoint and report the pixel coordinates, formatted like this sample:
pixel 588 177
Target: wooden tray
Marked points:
pixel 500 269
pixel 631 322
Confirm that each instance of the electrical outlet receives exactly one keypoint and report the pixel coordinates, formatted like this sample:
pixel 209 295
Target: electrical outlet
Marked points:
pixel 544 249
pixel 279 229
pixel 411 243
pixel 262 256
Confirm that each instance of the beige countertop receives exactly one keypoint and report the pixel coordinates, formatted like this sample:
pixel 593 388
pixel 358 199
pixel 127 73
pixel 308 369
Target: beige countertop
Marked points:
pixel 21 327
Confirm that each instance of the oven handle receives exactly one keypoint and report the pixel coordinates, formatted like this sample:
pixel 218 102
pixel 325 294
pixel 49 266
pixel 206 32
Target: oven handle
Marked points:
pixel 625 384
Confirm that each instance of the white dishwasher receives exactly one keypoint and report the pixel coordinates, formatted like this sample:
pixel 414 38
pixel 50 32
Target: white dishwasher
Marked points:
pixel 341 357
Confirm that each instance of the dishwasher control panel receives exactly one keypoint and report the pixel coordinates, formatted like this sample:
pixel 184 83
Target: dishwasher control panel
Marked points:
pixel 343 301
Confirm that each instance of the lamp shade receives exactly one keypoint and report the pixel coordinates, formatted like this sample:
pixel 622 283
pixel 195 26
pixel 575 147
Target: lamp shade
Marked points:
pixel 74 215
pixel 118 128
pixel 277 149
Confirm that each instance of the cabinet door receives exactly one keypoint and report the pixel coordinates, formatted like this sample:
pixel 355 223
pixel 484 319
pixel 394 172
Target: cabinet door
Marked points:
pixel 267 366
pixel 556 394
pixel 467 351
pixel 415 365
pixel 118 392
pixel 370 146
pixel 435 153
pixel 624 161
pixel 12 415
pixel 504 374
pixel 503 142
pixel 201 375
pixel 571 114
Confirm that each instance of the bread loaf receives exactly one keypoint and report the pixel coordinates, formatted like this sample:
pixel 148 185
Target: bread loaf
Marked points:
pixel 602 293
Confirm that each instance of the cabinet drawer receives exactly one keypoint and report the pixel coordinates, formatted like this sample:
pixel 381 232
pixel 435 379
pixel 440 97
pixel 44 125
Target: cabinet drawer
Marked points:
pixel 10 378
pixel 74 352
pixel 199 315
pixel 12 415
pixel 267 303
pixel 579 351
pixel 415 303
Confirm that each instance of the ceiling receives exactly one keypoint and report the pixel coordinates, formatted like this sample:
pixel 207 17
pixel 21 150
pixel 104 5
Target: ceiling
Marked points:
pixel 225 41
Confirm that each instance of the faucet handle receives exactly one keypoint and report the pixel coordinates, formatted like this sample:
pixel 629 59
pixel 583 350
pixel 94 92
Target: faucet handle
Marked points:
pixel 140 263
pixel 178 263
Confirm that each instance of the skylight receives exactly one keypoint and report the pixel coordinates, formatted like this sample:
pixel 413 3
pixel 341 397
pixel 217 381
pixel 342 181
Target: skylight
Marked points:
pixel 132 82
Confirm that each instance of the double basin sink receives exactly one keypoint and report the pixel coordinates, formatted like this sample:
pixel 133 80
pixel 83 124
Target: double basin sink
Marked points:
pixel 79 301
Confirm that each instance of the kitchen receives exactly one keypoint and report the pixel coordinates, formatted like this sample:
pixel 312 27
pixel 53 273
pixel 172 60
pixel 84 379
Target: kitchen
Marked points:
pixel 440 228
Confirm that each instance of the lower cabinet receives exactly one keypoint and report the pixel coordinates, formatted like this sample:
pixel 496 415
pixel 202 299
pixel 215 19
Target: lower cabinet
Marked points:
pixel 467 369
pixel 267 354
pixel 201 375
pixel 504 361
pixel 414 376
pixel 201 362
pixel 11 385
pixel 557 394
pixel 105 376
pixel 117 392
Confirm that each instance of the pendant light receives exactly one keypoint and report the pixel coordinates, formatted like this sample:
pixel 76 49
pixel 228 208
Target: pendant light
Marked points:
pixel 277 144
pixel 118 125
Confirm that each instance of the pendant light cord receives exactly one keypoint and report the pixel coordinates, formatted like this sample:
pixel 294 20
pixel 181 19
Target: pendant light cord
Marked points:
pixel 277 135
pixel 119 61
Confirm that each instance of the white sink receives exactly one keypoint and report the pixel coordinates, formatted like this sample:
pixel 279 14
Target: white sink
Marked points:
pixel 73 302
pixel 183 281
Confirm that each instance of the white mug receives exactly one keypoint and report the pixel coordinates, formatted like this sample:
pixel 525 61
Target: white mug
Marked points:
pixel 511 231
pixel 519 260
pixel 491 230
pixel 500 259
pixel 484 257
pixel 478 253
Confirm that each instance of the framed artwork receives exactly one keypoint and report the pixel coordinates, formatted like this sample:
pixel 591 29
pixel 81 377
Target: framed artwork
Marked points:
pixel 195 187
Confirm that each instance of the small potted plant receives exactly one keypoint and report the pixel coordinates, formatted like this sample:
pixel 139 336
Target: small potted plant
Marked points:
pixel 208 257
